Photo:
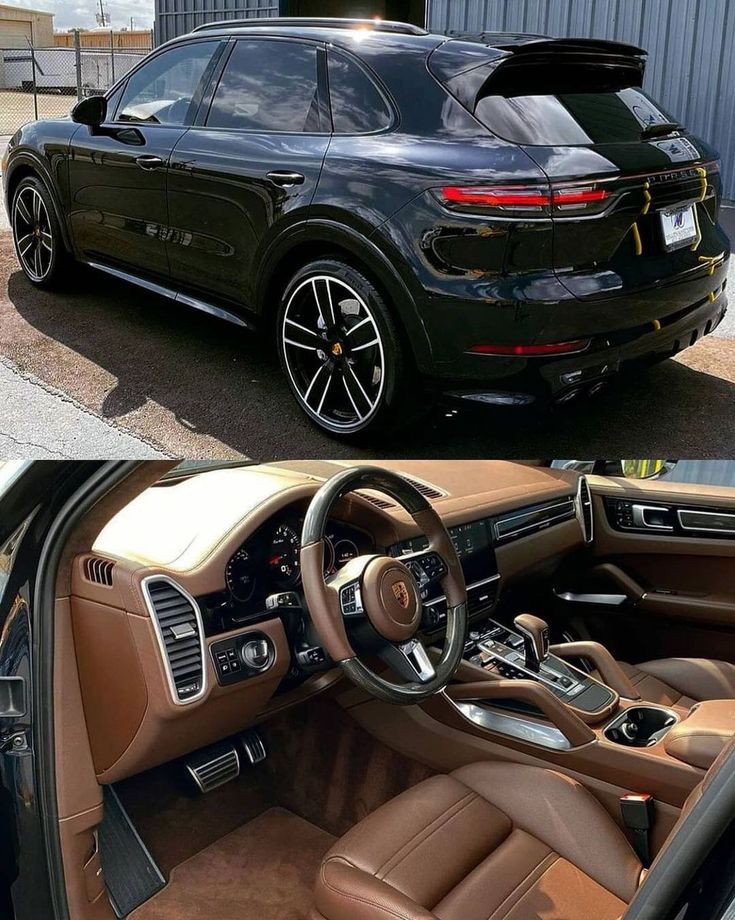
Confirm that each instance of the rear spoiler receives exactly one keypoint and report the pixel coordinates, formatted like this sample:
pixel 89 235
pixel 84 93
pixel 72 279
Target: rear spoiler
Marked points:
pixel 467 61
pixel 545 45
pixel 523 43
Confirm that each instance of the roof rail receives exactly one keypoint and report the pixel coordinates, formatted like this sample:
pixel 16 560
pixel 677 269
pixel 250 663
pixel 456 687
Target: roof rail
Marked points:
pixel 377 25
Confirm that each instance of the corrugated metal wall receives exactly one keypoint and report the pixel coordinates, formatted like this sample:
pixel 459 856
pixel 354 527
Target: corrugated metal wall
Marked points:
pixel 691 45
pixel 176 17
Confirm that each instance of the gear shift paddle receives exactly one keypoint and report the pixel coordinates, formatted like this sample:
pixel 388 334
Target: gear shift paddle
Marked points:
pixel 535 632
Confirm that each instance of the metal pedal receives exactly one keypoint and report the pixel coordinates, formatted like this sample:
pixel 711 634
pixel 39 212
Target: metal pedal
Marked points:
pixel 253 746
pixel 214 766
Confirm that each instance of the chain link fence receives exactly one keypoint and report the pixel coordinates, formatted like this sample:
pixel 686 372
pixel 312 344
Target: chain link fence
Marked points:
pixel 46 82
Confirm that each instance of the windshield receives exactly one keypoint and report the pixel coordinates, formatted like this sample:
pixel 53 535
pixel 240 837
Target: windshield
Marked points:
pixel 189 467
pixel 10 471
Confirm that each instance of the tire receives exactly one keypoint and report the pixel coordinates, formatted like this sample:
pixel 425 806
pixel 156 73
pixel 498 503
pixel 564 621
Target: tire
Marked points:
pixel 341 352
pixel 39 244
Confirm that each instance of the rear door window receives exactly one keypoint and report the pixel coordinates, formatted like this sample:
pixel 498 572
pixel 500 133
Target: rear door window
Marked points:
pixel 358 106
pixel 268 86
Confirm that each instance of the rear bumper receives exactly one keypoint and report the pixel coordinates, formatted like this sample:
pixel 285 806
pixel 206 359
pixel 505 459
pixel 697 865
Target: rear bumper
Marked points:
pixel 518 380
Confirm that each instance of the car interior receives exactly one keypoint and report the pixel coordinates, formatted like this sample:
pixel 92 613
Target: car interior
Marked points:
pixel 419 689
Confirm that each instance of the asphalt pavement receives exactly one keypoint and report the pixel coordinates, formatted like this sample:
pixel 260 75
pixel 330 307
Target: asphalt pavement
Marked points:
pixel 164 378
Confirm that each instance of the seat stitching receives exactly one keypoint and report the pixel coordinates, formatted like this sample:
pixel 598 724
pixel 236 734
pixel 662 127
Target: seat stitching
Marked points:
pixel 423 835
pixel 371 901
pixel 529 880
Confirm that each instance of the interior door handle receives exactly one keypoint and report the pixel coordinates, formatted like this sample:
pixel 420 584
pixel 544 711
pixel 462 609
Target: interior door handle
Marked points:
pixel 642 517
pixel 148 161
pixel 285 179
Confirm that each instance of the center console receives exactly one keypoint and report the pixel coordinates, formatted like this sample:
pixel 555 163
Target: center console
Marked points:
pixel 510 653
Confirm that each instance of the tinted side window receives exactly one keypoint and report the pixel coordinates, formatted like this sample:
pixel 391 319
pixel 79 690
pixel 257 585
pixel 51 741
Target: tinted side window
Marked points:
pixel 358 107
pixel 161 92
pixel 268 86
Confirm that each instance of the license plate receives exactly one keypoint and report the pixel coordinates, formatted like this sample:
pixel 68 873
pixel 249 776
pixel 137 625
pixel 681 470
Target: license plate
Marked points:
pixel 679 228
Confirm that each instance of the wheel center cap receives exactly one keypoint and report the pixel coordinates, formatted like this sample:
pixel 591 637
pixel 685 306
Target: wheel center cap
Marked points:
pixel 37 232
pixel 337 350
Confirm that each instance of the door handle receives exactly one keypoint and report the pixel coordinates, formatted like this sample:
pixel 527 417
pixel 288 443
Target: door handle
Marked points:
pixel 641 517
pixel 148 161
pixel 285 179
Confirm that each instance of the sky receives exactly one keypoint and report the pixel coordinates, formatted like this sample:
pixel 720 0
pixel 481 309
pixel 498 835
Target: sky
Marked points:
pixel 69 14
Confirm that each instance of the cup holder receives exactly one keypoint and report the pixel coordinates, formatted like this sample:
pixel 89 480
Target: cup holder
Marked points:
pixel 641 726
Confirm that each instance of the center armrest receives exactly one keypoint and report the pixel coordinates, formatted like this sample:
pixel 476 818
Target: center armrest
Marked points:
pixel 699 739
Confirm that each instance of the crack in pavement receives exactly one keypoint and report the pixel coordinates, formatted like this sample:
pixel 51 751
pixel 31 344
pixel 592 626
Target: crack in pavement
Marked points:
pixel 70 426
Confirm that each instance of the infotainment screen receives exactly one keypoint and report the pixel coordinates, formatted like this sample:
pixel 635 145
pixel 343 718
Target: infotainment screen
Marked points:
pixel 474 545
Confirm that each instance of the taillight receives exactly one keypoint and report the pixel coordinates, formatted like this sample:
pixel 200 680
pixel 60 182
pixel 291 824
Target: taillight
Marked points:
pixel 532 351
pixel 532 200
pixel 571 197
pixel 505 198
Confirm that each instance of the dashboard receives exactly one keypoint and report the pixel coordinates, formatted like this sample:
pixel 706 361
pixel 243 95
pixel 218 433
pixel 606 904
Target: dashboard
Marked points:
pixel 268 562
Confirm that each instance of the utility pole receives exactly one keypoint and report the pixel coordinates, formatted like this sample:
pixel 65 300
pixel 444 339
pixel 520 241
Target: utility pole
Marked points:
pixel 102 17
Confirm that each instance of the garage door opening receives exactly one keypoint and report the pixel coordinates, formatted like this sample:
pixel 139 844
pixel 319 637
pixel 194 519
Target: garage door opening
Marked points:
pixel 413 11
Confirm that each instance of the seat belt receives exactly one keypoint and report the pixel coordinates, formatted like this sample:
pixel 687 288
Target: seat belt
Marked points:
pixel 637 811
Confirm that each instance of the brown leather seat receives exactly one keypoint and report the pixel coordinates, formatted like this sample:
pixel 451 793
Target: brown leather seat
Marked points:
pixel 488 842
pixel 682 681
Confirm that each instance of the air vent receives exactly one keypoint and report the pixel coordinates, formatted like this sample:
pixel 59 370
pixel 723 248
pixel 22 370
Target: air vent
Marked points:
pixel 98 570
pixel 180 634
pixel 214 766
pixel 376 499
pixel 426 489
pixel 530 520
pixel 584 509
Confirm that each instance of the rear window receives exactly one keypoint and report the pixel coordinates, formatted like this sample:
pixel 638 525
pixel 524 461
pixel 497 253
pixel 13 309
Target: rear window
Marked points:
pixel 570 118
pixel 553 93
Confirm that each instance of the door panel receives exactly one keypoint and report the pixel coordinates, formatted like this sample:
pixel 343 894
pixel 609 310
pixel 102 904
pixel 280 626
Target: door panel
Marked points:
pixel 239 179
pixel 678 586
pixel 118 202
pixel 117 172
pixel 224 210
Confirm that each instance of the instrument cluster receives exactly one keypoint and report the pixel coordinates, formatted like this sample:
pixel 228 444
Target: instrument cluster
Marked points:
pixel 269 561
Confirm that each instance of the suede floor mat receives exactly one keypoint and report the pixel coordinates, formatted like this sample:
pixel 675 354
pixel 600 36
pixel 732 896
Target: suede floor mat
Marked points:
pixel 263 870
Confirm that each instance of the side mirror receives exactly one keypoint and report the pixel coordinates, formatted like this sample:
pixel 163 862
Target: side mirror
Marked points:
pixel 647 469
pixel 90 111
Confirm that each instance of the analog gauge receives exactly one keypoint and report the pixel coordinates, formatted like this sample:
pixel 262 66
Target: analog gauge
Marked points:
pixel 329 566
pixel 344 550
pixel 240 576
pixel 283 560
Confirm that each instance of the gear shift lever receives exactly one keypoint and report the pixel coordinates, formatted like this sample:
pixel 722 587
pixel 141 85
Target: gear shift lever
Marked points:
pixel 535 632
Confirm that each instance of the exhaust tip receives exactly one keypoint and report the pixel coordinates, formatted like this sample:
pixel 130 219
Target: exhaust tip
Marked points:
pixel 569 396
pixel 597 388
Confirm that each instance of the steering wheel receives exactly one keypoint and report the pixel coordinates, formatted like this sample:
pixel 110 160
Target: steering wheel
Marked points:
pixel 375 600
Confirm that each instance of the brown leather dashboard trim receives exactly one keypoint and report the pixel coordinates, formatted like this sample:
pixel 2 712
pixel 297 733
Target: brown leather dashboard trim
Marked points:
pixel 128 736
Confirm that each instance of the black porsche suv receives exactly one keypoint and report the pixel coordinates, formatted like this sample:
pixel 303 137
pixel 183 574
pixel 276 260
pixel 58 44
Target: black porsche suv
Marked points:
pixel 503 217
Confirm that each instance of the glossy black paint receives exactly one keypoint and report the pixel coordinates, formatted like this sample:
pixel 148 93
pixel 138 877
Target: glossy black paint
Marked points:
pixel 210 223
